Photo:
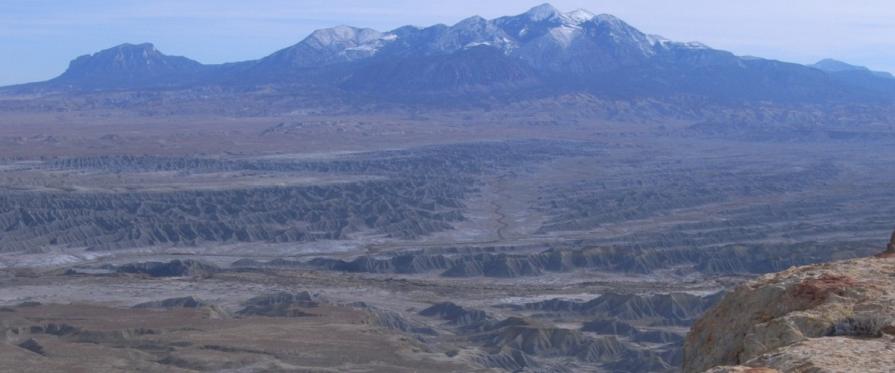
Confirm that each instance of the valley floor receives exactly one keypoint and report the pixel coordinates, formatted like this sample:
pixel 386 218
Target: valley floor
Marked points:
pixel 329 244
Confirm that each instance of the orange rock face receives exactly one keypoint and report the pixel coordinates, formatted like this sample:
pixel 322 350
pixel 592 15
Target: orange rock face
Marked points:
pixel 835 317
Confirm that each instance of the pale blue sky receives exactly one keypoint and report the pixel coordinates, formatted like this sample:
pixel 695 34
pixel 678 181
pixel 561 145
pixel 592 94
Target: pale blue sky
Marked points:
pixel 39 37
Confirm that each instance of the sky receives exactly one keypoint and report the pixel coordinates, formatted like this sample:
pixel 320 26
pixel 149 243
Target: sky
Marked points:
pixel 39 37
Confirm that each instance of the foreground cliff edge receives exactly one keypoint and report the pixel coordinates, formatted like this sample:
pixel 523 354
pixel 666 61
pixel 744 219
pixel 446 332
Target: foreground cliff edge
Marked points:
pixel 819 318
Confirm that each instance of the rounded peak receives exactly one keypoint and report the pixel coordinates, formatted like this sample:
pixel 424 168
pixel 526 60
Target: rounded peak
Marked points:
pixel 616 24
pixel 543 12
pixel 580 15
pixel 608 18
pixel 549 13
pixel 341 31
pixel 344 34
pixel 474 20
pixel 834 63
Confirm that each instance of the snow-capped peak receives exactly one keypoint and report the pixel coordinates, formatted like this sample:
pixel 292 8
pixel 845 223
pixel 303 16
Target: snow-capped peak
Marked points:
pixel 345 35
pixel 543 12
pixel 609 18
pixel 346 39
pixel 542 36
pixel 471 22
pixel 579 16
pixel 346 43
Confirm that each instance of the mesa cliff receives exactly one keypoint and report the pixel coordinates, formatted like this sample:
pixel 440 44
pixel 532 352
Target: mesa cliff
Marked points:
pixel 833 317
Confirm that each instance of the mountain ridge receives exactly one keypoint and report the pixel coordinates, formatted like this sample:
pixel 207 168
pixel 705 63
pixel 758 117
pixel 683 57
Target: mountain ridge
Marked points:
pixel 542 52
pixel 836 66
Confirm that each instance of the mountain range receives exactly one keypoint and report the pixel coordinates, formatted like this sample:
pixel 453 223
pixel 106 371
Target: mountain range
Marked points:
pixel 542 52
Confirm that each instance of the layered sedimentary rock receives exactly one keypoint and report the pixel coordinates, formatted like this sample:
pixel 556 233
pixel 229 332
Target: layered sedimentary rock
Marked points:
pixel 174 268
pixel 821 318
pixel 678 309
pixel 757 259
pixel 279 305
pixel 189 201
pixel 455 314
pixel 185 302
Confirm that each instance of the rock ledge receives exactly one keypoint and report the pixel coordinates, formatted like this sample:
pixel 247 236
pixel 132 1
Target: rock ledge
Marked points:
pixel 833 317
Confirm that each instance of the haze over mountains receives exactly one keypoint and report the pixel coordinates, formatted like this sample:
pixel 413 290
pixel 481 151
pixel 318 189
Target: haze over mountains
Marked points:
pixel 541 53
pixel 550 192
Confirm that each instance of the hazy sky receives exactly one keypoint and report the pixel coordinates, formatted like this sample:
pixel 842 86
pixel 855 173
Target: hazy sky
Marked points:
pixel 39 37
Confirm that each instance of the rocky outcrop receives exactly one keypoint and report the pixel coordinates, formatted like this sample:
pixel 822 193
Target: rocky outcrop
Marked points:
pixel 623 329
pixel 392 320
pixel 403 263
pixel 280 305
pixel 174 268
pixel 511 361
pixel 539 340
pixel 456 315
pixel 515 334
pixel 185 302
pixel 741 369
pixel 31 345
pixel 210 311
pixel 890 249
pixel 820 318
pixel 732 259
pixel 496 265
pixel 58 330
pixel 675 308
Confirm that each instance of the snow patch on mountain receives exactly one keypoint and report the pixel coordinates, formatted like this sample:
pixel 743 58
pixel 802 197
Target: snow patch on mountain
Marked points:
pixel 661 42
pixel 565 34
pixel 544 37
pixel 579 16
pixel 543 12
pixel 347 39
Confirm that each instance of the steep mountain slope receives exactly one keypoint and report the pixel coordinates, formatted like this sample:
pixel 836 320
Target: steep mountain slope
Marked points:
pixel 474 69
pixel 330 46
